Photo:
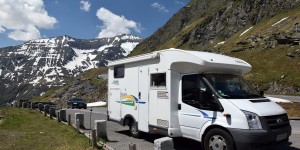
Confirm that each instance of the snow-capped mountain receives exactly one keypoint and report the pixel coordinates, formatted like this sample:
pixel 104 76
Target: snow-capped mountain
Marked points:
pixel 51 60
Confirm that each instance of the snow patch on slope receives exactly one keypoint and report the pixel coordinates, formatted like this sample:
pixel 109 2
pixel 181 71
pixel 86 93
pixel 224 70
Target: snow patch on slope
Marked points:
pixel 246 31
pixel 100 49
pixel 128 47
pixel 81 58
pixel 279 21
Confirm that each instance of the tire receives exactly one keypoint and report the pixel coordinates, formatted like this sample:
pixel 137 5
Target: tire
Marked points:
pixel 72 107
pixel 218 139
pixel 134 131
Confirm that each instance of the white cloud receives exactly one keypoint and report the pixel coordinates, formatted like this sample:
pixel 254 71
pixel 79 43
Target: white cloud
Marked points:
pixel 24 18
pixel 114 25
pixel 31 32
pixel 85 5
pixel 160 7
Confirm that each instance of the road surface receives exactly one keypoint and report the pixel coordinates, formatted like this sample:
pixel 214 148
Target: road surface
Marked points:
pixel 119 138
pixel 290 98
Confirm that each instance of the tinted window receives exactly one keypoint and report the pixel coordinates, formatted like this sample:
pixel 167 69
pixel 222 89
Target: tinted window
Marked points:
pixel 195 93
pixel 158 80
pixel 119 71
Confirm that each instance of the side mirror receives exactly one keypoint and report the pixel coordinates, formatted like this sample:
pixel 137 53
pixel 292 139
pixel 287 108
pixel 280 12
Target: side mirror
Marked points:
pixel 261 93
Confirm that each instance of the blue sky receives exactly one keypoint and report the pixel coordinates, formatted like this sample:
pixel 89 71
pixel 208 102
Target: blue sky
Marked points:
pixel 22 20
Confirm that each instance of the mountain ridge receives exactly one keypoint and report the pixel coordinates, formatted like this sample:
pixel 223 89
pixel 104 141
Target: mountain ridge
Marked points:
pixel 37 65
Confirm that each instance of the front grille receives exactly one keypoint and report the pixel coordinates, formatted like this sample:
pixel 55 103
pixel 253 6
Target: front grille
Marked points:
pixel 277 121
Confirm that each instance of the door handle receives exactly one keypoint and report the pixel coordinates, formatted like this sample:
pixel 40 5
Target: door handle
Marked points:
pixel 139 95
pixel 179 106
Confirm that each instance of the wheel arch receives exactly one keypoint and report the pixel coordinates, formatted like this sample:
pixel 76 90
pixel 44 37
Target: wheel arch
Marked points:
pixel 127 119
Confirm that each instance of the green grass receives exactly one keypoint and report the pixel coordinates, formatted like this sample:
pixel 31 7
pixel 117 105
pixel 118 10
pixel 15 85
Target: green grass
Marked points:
pixel 269 65
pixel 28 129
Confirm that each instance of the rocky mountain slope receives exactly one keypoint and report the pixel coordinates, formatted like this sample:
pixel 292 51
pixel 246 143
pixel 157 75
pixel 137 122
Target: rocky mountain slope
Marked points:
pixel 87 85
pixel 31 68
pixel 263 32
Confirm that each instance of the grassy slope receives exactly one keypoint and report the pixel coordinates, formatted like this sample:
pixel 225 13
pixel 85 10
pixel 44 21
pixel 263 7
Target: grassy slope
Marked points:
pixel 27 129
pixel 269 64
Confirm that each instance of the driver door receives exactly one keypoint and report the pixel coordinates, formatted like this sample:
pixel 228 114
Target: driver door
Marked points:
pixel 195 110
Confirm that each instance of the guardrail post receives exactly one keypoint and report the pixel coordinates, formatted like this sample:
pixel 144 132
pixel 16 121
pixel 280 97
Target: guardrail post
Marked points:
pixel 100 126
pixel 165 143
pixel 32 105
pixel 23 105
pixel 47 108
pixel 94 138
pixel 132 146
pixel 80 117
pixel 62 116
pixel 40 106
pixel 77 125
pixel 58 116
pixel 45 114
pixel 52 112
pixel 69 119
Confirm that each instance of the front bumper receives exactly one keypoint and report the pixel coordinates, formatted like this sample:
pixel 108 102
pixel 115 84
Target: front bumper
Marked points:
pixel 259 139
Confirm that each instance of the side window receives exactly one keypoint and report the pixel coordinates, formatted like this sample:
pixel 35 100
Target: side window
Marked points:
pixel 119 71
pixel 195 93
pixel 158 80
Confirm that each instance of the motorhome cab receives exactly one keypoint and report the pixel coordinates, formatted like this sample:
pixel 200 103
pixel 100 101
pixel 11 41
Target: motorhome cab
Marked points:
pixel 196 95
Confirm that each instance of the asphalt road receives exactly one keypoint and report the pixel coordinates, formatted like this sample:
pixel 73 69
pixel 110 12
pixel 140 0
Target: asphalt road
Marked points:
pixel 290 98
pixel 119 138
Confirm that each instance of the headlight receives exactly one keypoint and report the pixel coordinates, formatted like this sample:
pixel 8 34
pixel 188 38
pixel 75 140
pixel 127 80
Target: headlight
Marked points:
pixel 253 120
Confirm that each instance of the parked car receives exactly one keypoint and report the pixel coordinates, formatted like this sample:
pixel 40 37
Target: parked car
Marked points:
pixel 76 103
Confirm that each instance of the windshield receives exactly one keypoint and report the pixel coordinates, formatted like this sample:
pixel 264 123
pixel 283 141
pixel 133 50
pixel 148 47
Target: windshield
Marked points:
pixel 232 86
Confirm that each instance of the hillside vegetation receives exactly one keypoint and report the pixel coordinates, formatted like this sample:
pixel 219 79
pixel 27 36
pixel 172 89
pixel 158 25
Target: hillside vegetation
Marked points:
pixel 264 33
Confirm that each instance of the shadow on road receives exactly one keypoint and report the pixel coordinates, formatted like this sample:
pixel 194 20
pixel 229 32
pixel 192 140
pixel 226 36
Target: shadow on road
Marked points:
pixel 184 143
pixel 285 146
pixel 179 143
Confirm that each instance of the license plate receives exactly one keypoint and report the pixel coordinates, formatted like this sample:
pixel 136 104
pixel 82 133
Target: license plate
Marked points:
pixel 281 136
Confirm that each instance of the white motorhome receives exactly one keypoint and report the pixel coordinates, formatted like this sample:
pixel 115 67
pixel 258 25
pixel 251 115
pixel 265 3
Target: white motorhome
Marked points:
pixel 197 95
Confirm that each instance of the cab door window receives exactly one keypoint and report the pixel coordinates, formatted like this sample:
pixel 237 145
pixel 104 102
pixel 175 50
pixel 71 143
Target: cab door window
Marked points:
pixel 196 93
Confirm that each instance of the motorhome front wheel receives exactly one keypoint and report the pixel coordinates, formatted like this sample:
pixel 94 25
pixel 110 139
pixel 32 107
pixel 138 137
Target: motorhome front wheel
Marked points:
pixel 218 139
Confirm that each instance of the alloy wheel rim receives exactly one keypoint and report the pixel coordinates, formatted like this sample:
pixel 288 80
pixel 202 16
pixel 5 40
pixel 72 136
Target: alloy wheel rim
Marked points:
pixel 217 142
